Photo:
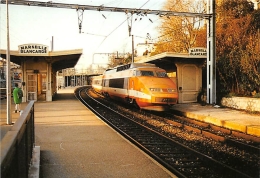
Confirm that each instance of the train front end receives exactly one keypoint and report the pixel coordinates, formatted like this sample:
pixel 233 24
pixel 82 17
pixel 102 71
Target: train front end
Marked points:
pixel 157 91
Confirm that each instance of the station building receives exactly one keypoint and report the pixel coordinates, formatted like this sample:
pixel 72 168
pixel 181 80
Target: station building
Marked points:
pixel 39 67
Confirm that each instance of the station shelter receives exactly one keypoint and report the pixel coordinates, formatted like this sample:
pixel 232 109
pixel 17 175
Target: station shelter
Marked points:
pixel 184 69
pixel 39 67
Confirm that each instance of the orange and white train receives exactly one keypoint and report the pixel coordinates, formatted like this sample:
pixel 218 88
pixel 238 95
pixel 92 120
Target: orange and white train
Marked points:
pixel 141 84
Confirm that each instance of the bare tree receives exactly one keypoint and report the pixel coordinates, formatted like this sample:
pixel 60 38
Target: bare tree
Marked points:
pixel 116 60
pixel 179 33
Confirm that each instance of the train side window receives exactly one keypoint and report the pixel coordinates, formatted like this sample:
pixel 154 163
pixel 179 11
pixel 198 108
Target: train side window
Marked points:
pixel 106 83
pixel 137 73
pixel 126 83
pixel 103 82
pixel 116 83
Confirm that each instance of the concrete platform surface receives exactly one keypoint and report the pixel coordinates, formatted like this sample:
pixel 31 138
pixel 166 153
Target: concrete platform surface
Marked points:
pixel 228 118
pixel 75 143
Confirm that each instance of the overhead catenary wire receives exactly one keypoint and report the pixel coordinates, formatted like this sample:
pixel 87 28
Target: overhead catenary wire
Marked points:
pixel 117 27
pixel 104 8
pixel 112 9
pixel 107 16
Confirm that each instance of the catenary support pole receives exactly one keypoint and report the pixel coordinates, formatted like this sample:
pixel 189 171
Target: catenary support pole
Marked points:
pixel 211 54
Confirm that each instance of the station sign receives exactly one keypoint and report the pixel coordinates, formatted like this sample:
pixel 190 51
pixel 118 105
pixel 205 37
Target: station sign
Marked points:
pixel 33 49
pixel 198 51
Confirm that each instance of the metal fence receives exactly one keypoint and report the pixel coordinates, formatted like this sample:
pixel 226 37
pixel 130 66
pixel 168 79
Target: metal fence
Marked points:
pixel 17 145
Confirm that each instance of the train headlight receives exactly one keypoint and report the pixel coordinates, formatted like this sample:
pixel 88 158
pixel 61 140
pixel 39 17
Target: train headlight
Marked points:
pixel 170 90
pixel 156 89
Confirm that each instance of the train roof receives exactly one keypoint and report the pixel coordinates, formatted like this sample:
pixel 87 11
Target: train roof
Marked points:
pixel 129 66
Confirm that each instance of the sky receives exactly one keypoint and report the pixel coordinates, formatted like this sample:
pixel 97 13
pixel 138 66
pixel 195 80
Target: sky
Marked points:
pixel 29 24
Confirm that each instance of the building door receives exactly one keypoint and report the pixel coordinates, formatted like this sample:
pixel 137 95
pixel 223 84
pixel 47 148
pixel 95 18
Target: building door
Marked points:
pixel 189 83
pixel 32 87
pixel 41 87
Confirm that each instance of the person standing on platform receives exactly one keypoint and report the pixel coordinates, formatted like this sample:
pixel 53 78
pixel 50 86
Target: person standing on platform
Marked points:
pixel 17 95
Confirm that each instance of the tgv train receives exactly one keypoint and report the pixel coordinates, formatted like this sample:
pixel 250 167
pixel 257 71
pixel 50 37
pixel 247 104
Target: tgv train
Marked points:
pixel 141 84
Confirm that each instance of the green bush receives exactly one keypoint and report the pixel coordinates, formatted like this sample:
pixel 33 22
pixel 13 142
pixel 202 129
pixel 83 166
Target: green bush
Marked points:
pixel 257 95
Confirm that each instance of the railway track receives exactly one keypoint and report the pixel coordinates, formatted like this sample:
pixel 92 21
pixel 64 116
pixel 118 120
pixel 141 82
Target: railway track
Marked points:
pixel 176 157
pixel 236 139
pixel 233 138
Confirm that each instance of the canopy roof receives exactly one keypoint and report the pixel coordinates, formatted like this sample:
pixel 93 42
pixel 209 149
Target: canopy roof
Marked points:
pixel 59 59
pixel 168 60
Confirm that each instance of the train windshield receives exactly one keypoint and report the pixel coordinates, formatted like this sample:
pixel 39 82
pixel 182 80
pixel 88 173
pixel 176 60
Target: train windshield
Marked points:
pixel 144 73
pixel 161 74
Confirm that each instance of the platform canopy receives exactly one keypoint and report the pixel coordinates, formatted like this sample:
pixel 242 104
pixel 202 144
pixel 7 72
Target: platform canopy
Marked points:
pixel 59 59
pixel 168 59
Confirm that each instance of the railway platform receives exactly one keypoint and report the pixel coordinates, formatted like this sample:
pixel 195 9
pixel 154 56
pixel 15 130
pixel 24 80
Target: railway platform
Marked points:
pixel 236 120
pixel 75 143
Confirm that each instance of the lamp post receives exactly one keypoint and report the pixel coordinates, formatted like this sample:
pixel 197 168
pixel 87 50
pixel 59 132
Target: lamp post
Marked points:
pixel 8 77
pixel 132 48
